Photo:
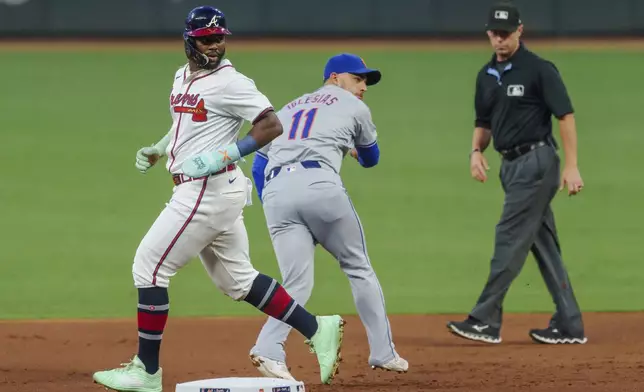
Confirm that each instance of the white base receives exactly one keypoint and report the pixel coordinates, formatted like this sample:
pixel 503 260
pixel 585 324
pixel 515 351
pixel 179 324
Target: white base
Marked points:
pixel 241 384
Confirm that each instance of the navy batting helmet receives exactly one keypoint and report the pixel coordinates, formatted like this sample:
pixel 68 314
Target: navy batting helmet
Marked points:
pixel 200 22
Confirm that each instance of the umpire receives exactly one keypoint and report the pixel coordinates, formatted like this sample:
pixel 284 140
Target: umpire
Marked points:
pixel 517 93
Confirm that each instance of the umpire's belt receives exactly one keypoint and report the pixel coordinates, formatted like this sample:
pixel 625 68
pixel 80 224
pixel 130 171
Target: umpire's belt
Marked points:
pixel 181 178
pixel 305 164
pixel 515 152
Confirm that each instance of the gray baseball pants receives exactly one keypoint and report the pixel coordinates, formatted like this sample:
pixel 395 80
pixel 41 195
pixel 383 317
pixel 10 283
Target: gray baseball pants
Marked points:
pixel 304 207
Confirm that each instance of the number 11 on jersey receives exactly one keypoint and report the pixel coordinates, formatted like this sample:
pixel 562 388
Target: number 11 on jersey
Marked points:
pixel 310 116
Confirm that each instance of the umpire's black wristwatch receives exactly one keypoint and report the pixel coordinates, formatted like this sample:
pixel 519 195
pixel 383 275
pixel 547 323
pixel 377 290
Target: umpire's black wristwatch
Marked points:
pixel 475 150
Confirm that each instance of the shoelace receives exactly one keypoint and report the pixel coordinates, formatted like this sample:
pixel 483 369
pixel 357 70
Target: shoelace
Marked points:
pixel 126 366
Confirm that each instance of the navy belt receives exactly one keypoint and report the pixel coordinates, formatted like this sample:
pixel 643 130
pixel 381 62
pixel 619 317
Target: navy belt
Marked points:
pixel 305 164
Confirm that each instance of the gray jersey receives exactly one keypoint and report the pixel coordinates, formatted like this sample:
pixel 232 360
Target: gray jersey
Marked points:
pixel 309 206
pixel 321 126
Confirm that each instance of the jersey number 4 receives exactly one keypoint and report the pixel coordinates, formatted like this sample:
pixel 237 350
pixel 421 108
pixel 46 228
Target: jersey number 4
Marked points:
pixel 295 124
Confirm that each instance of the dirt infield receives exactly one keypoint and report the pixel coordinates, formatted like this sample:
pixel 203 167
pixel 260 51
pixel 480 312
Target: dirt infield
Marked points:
pixel 60 356
pixel 273 44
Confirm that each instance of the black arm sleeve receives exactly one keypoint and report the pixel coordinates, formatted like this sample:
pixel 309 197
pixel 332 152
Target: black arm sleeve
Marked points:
pixel 554 91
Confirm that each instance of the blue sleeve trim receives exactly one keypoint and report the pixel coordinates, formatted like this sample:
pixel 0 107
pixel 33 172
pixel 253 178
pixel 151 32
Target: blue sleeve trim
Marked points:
pixel 368 156
pixel 368 145
pixel 259 164
pixel 247 146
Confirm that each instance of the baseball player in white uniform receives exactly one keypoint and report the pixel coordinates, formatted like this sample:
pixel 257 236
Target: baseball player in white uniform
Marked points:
pixel 209 102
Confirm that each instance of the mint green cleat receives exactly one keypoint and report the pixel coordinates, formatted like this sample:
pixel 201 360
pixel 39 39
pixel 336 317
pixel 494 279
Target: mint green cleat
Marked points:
pixel 327 344
pixel 132 377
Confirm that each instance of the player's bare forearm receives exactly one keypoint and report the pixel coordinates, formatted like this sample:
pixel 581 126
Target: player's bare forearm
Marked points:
pixel 568 131
pixel 481 138
pixel 266 129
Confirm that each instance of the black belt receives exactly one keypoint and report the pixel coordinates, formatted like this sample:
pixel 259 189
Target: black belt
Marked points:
pixel 515 152
pixel 305 164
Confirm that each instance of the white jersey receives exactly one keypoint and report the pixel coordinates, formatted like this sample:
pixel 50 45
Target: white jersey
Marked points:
pixel 208 109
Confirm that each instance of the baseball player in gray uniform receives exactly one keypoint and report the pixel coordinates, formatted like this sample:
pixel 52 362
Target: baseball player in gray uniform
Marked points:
pixel 305 203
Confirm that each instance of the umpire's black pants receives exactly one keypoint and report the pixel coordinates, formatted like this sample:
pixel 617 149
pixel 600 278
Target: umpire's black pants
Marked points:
pixel 527 223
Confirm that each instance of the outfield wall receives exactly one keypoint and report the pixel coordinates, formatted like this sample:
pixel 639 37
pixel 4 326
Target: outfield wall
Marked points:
pixel 288 18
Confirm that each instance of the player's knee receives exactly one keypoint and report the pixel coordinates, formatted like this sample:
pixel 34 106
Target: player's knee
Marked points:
pixel 364 275
pixel 146 273
pixel 144 280
pixel 357 265
pixel 302 286
pixel 140 280
pixel 236 294
pixel 238 288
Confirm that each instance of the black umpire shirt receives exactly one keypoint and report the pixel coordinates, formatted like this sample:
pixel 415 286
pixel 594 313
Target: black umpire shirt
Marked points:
pixel 516 99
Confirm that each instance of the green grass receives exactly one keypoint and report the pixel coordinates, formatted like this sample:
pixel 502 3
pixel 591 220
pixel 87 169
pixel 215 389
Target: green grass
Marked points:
pixel 74 208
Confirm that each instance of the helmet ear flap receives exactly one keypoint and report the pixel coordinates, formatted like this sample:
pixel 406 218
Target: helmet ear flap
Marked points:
pixel 192 53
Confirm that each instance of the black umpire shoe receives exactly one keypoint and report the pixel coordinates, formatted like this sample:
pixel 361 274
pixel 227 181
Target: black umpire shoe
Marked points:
pixel 552 335
pixel 473 329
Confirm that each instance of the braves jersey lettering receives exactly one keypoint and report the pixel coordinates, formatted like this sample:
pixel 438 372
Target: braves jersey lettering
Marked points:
pixel 317 129
pixel 208 108
pixel 184 99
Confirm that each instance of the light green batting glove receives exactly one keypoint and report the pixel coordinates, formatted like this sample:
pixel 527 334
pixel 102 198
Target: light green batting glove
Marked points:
pixel 147 157
pixel 210 161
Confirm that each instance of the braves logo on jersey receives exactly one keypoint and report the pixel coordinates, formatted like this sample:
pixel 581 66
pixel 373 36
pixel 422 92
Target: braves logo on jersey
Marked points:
pixel 190 104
